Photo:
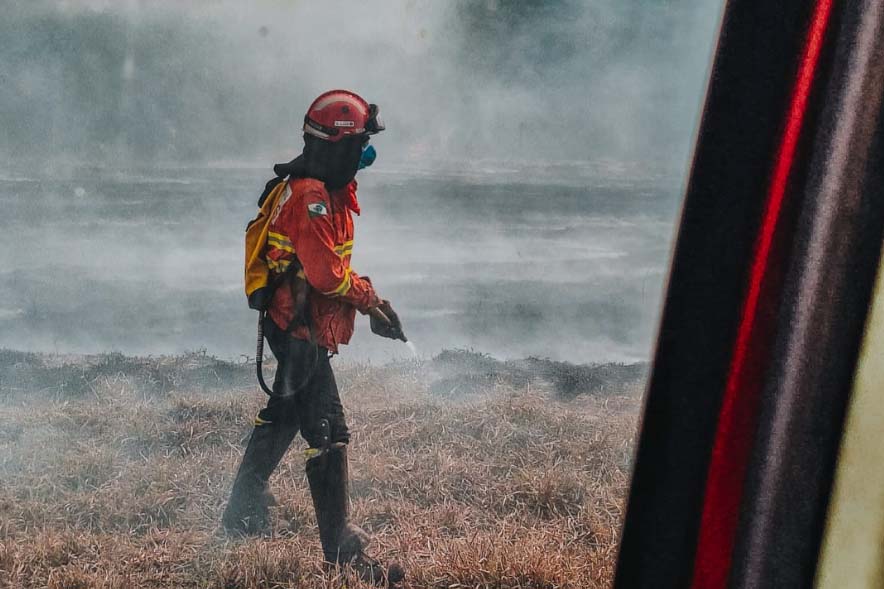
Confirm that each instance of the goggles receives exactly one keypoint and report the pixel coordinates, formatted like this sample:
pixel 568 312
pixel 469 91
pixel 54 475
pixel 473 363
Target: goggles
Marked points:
pixel 374 124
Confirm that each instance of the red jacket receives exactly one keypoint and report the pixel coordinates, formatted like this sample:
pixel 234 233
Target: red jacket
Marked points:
pixel 317 227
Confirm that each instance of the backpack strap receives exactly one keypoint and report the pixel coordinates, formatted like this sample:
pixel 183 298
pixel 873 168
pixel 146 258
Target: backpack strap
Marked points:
pixel 268 188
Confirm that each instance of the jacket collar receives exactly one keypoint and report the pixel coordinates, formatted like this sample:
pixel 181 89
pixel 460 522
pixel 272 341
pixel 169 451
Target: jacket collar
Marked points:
pixel 347 195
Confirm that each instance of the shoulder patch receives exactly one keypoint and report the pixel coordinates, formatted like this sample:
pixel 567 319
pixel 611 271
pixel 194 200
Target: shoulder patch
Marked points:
pixel 316 209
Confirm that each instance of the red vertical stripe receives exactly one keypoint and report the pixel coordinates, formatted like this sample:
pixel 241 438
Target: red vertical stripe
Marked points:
pixel 739 412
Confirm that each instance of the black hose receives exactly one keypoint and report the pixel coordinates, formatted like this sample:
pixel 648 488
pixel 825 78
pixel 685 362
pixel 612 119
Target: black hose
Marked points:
pixel 259 359
pixel 259 355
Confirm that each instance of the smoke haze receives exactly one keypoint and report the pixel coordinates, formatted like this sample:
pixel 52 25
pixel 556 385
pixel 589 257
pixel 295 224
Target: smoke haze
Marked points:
pixel 204 81
pixel 522 202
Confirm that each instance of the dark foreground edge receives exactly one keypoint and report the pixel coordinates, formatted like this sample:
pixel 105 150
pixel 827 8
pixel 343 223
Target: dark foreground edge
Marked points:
pixel 774 265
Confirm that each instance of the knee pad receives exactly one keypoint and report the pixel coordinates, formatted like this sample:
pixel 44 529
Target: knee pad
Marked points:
pixel 320 440
pixel 326 431
pixel 318 434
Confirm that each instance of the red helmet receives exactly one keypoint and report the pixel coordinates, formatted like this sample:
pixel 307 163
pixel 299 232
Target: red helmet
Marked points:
pixel 340 113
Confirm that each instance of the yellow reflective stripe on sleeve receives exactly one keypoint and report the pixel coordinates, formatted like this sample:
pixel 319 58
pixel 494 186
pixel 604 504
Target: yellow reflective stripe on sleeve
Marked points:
pixel 278 237
pixel 344 249
pixel 344 287
pixel 285 248
pixel 280 242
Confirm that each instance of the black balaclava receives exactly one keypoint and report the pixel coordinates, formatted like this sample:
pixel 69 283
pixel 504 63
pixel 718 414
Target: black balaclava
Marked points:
pixel 333 163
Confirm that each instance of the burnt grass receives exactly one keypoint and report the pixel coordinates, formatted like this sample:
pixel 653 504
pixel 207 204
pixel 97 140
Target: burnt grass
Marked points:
pixel 472 471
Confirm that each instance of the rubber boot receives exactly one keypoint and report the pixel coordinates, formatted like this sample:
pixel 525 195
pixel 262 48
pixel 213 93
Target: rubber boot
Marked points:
pixel 343 543
pixel 247 510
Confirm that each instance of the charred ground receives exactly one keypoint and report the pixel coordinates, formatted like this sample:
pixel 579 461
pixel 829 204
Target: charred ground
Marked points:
pixel 477 473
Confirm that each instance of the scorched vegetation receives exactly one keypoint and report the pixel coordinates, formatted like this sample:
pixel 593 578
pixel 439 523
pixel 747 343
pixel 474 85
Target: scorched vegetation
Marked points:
pixel 475 473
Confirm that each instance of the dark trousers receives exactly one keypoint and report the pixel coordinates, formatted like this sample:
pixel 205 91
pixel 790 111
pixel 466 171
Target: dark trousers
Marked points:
pixel 306 399
pixel 305 389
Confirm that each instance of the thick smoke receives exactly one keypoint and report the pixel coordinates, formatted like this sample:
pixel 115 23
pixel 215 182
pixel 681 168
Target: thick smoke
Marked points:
pixel 490 79
pixel 522 202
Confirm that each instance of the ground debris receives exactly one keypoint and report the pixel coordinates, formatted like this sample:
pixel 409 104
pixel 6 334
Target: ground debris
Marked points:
pixel 122 484
pixel 72 376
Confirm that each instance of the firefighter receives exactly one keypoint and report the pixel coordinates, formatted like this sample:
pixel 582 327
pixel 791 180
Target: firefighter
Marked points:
pixel 311 313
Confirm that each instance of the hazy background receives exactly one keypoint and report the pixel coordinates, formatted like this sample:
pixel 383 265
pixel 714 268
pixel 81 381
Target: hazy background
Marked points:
pixel 522 202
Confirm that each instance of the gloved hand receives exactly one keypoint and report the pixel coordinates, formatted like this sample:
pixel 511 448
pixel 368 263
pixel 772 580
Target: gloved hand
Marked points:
pixel 385 322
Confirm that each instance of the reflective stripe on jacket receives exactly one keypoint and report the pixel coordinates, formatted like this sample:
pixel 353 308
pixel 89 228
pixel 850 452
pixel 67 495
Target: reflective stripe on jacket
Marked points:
pixel 317 227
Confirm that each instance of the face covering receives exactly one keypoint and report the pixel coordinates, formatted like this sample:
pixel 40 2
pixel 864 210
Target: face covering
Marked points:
pixel 369 155
pixel 333 163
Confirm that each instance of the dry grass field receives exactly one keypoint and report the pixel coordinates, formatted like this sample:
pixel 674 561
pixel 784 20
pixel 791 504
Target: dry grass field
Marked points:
pixel 475 473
